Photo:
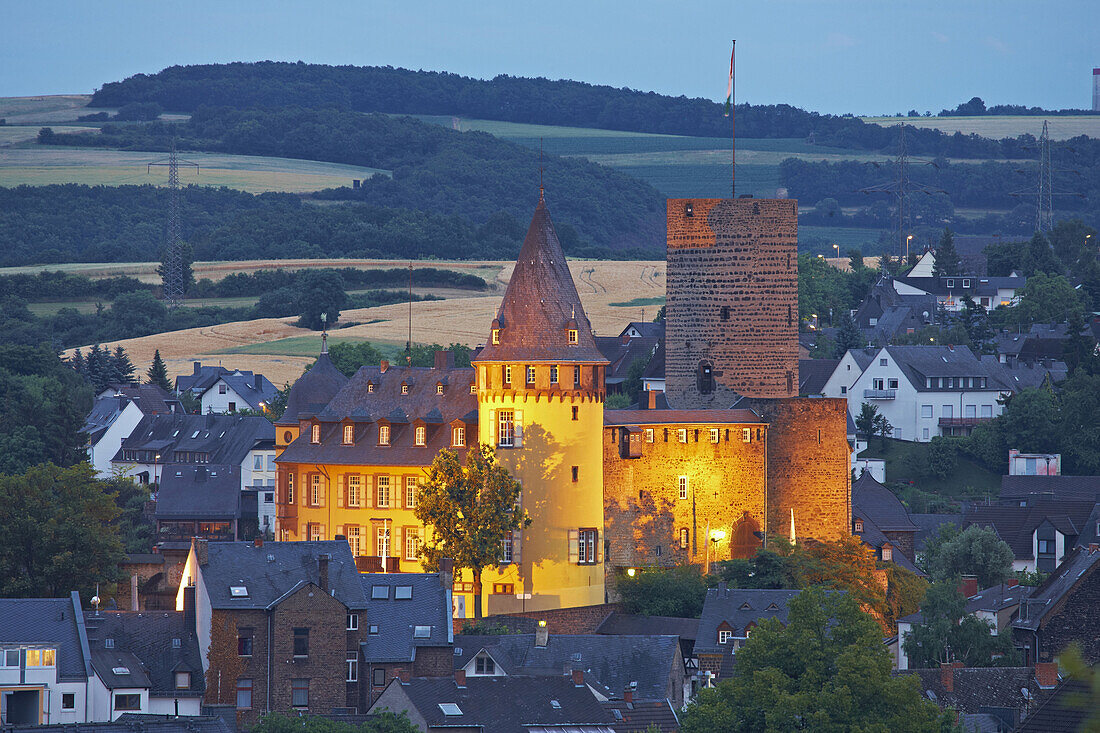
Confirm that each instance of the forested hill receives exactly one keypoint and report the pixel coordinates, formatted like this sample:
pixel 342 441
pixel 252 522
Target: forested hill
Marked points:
pixel 514 99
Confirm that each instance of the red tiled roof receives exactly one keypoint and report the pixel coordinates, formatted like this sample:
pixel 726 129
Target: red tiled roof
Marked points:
pixel 541 304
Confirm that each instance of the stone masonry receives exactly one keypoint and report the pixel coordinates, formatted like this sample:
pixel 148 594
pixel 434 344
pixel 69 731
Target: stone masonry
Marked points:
pixel 732 308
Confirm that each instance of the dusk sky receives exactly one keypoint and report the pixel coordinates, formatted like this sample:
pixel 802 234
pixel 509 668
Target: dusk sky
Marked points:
pixel 860 56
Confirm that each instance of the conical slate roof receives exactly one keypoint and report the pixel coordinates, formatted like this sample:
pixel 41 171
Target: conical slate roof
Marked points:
pixel 541 305
pixel 313 390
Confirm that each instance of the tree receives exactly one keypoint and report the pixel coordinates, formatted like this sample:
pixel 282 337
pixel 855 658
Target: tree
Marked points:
pixel 320 291
pixel 158 373
pixel 826 670
pixel 947 257
pixel 137 314
pixel 947 633
pixel 123 367
pixel 1039 257
pixel 1087 695
pixel 975 551
pixel 187 258
pixel 633 383
pixel 470 509
pixel 866 419
pixel 347 357
pixel 677 591
pixel 943 457
pixel 975 320
pixel 847 336
pixel 58 533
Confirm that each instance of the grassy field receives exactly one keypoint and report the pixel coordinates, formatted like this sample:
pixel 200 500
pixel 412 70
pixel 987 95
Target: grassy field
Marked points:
pixel 49 108
pixel 907 462
pixel 44 165
pixel 1001 126
pixel 15 134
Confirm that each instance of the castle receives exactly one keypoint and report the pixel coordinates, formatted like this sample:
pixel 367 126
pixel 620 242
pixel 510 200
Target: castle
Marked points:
pixel 729 458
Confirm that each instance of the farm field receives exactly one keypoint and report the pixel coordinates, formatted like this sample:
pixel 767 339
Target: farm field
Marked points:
pixel 607 289
pixel 47 108
pixel 15 134
pixel 38 166
pixel 1001 126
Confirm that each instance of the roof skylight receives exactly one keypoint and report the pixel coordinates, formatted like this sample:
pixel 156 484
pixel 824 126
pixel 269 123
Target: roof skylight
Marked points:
pixel 238 591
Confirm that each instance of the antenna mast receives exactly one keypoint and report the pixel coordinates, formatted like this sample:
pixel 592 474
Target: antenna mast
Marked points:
pixel 409 343
pixel 172 273
pixel 731 110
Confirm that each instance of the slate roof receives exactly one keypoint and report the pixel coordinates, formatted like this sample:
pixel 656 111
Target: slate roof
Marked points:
pixel 656 367
pixel 224 438
pixel 1020 376
pixel 738 607
pixel 396 619
pixel 814 373
pixel 646 329
pixel 244 384
pixel 541 304
pixel 681 417
pixel 148 637
pixel 312 391
pixel 373 397
pixel 610 663
pixel 1060 488
pixel 871 500
pixel 1016 525
pixel 149 398
pixel 134 723
pixel 1077 566
pixel 919 362
pixel 928 525
pixel 118 669
pixel 979 285
pixel 208 491
pixel 505 704
pixel 55 622
pixel 1055 714
pixel 621 355
pixel 637 717
pixel 636 624
pixel 201 377
pixel 979 687
pixel 277 568
pixel 997 597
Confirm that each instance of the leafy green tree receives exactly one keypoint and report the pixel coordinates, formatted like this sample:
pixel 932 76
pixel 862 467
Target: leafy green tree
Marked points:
pixel 633 383
pixel 158 373
pixel 947 633
pixel 866 420
pixel 1045 299
pixel 1078 427
pixel 1071 240
pixel 974 551
pixel 943 457
pixel 320 291
pixel 59 533
pixel 847 335
pixel 347 356
pixel 187 258
pixel 137 314
pixel 1087 697
pixel 947 260
pixel 1039 257
pixel 660 317
pixel 277 303
pixel 1030 421
pixel 826 670
pixel 383 722
pixel 677 591
pixel 765 569
pixel 469 509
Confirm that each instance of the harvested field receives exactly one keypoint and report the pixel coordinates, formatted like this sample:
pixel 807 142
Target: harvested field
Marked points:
pixel 1002 126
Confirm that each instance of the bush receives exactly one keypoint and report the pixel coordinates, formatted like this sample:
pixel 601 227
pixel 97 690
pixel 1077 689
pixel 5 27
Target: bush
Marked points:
pixel 677 591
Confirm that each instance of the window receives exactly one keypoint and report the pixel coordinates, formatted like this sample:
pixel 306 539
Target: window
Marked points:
pixel 683 538
pixel 108 643
pixel 530 375
pixel 714 435
pixel 987 410
pixel 378 677
pixel 1046 547
pixel 222 389
pixel 496 336
pixel 505 428
pixel 682 435
pixel 382 541
pixel 379 593
pixel 573 336
pixel 301 642
pixel 657 550
pixel 877 384
pixel 269 497
pixel 946 412
pixel 244 642
pixel 926 410
pixel 402 593
pixel 473 389
pixel 383 435
pixel 41 657
pixel 484 664
pixel 257 462
pixel 68 701
pixel 966 283
pixel 970 410
pixel 883 362
pixel 504 589
pixel 458 437
pixel 507 375
pixel 859 525
pixel 950 283
pixel 506 548
pixel 354 539
pixel 683 487
pixel 844 390
pixel 315 434
pixel 11 657
pixel 576 412
pixel 412 488
pixel 315 489
pixel 576 376
pixel 353 622
pixel 382 495
pixel 176 642
pixel 724 636
pixel 892 383
pixel 299 693
pixel 422 632
pixel 649 435
pixel 290 488
pixel 586 547
pixel 439 389
pixel 554 374
pixel 352 667
pixel 576 473
pixel 887 553
pixel 183 680
pixel 924 433
pixel 412 543
pixel 127 701
pixel 355 490
pixel 420 435
pixel 370 387
pixel 349 434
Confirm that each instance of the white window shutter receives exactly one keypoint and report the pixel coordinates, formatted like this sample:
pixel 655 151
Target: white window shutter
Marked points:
pixel 574 543
pixel 340 491
pixel 518 428
pixel 398 491
pixel 517 546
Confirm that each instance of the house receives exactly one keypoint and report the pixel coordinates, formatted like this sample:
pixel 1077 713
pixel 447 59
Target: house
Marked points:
pixel 1035 464
pixel 642 716
pixel 116 412
pixel 1062 610
pixel 623 350
pixel 199 501
pixel 649 667
pixel 988 699
pixel 929 525
pixel 498 704
pixel 149 662
pixel 632 624
pixel 951 291
pixel 1040 534
pixel 729 616
pixel 200 378
pixel 653 378
pixel 46 677
pixel 885 313
pixel 235 391
pixel 281 619
pixel 923 391
pixel 813 374
pixel 408 629
pixel 882 522
pixel 1059 712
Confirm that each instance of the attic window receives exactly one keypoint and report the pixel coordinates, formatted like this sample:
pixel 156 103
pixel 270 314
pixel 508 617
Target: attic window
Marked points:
pixel 370 387
pixel 383 435
pixel 689 209
pixel 349 434
pixel 420 435
pixel 496 336
pixel 195 434
pixel 773 607
pixel 315 434
pixel 108 643
pixel 439 388
pixel 859 525
pixel 403 592
pixel 183 680
pixel 555 704
pixel 473 389
pixel 422 632
pixel 380 592
pixel 618 714
pixel 404 388
pixel 238 591
pixel 120 670
pixel 450 708
pixel 746 606
pixel 573 338
pixel 176 642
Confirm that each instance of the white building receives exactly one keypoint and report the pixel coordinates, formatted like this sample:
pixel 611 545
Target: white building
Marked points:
pixel 115 414
pixel 237 391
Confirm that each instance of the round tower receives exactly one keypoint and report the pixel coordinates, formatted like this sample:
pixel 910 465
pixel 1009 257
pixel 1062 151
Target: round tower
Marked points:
pixel 540 395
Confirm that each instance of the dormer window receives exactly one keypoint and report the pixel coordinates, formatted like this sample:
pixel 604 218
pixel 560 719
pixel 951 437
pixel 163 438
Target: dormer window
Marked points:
pixel 950 283
pixel 724 636
pixel 458 437
pixel 496 336
pixel 554 374
pixel 473 389
pixel 859 525
pixel 573 336
pixel 404 388
pixel 966 283
pixel 370 387
pixel 315 433
pixel 689 209
pixel 421 435
pixel 507 375
pixel 887 553
pixel 349 434
pixel 439 388
pixel 383 435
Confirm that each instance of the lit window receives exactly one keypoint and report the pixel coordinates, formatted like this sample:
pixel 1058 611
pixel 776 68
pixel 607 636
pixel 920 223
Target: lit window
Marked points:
pixel 683 487
pixel 683 538
pixel 746 435
pixel 290 488
pixel 349 434
pixel 353 539
pixel 404 388
pixel 507 375
pixel 649 435
pixel 315 434
pixel 421 435
pixel 473 389
pixel 412 488
pixel 714 435
pixel 382 497
pixel 439 389
pixel 383 435
pixel 496 336
pixel 682 435
pixel 573 336
pixel 370 387
pixel 458 437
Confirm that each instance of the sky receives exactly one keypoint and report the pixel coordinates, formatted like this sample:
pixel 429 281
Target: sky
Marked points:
pixel 833 56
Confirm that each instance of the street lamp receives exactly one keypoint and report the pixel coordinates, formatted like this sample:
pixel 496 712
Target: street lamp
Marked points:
pixel 631 572
pixel 907 241
pixel 837 248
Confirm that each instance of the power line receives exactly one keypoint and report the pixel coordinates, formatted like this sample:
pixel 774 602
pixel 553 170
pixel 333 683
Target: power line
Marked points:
pixel 173 256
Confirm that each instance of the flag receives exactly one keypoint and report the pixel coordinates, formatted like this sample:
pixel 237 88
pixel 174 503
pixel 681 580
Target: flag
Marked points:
pixel 729 87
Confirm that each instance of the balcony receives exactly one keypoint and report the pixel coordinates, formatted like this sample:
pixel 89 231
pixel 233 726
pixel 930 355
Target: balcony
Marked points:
pixel 880 394
pixel 286 511
pixel 963 422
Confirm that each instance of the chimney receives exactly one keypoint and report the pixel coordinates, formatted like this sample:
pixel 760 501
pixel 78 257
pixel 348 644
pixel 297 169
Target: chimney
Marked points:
pixel 189 608
pixel 259 541
pixel 322 571
pixel 947 676
pixel 460 678
pixel 1094 547
pixel 578 677
pixel 542 634
pixel 1046 674
pixel 202 551
pixel 446 572
pixel 134 593
pixel 625 337
pixel 628 695
pixel 197 366
pixel 383 366
pixel 968 585
pixel 404 675
pixel 258 382
pixel 444 359
pixel 1012 582
pixel 651 399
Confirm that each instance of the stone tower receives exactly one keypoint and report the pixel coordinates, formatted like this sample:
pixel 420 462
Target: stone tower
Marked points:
pixel 540 395
pixel 732 307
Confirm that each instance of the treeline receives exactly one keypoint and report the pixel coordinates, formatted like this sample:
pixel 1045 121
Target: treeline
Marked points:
pixel 55 284
pixel 512 99
pixel 472 175
pixel 264 281
pixel 976 107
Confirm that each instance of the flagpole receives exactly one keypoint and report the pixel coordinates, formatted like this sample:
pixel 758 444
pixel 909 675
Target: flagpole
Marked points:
pixel 733 117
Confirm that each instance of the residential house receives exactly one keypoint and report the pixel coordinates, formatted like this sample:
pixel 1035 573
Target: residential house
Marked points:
pixel 882 522
pixel 116 412
pixel 813 374
pixel 1060 711
pixel 282 619
pixel 199 501
pixel 1062 610
pixel 1040 534
pixel 642 716
pixel 930 525
pixel 200 378
pixel 1043 342
pixel 951 291
pixel 885 313
pixel 498 704
pixel 684 629
pixel 623 350
pixel 407 629
pixel 729 616
pixel 235 391
pixel 653 378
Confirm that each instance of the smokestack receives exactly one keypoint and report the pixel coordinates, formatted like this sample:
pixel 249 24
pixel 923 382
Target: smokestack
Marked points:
pixel 578 677
pixel 383 366
pixel 460 678
pixel 1046 674
pixel 628 695
pixel 1096 90
pixel 446 572
pixel 259 541
pixel 197 366
pixel 258 382
pixel 444 359
pixel 202 551
pixel 651 399
pixel 322 572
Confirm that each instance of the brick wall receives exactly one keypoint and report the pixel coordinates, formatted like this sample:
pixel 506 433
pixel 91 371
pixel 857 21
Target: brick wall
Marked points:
pixel 577 620
pixel 643 511
pixel 732 299
pixel 1075 622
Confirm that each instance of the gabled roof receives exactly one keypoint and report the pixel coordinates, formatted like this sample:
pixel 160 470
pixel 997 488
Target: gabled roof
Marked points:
pixel 118 669
pixel 312 391
pixel 1016 524
pixel 1048 597
pixel 636 624
pixel 503 704
pixel 397 619
pixel 270 572
pixel 622 355
pixel 150 637
pixel 208 491
pixel 980 687
pixel 929 524
pixel 610 663
pixel 646 329
pixel 655 369
pixel 738 607
pixel 997 597
pixel 1020 376
pixel 919 362
pixel 224 438
pixel 49 622
pixel 541 304
pixel 201 377
pixel 1056 714
pixel 642 716
pixel 814 373
pixel 244 384
pixel 873 501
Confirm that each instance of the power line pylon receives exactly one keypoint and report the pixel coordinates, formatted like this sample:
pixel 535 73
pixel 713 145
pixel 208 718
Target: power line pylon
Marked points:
pixel 1043 192
pixel 173 256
